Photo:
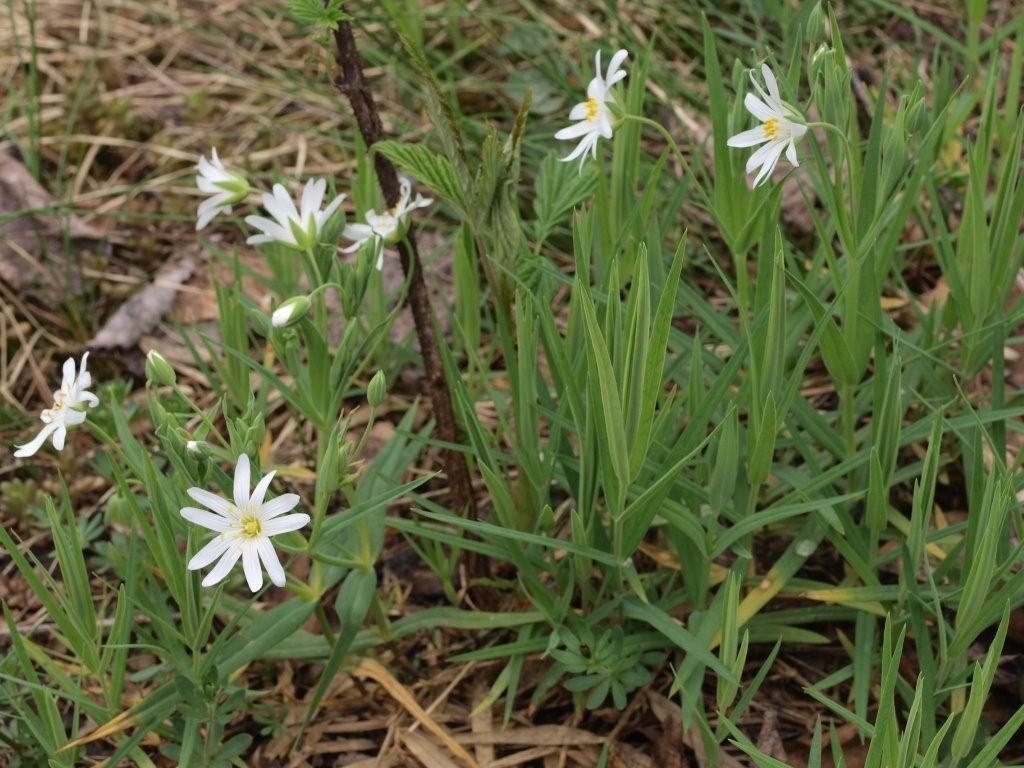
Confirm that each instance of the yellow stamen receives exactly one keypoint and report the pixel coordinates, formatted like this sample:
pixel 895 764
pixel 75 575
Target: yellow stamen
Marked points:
pixel 771 127
pixel 592 108
pixel 251 527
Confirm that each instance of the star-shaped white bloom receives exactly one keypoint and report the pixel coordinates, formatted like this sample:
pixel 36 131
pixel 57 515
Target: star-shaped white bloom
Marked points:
pixel 69 404
pixel 224 187
pixel 296 228
pixel 778 132
pixel 595 119
pixel 388 226
pixel 243 529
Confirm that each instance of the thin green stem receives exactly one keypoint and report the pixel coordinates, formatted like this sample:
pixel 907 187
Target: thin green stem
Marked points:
pixel 683 162
pixel 325 625
pixel 664 133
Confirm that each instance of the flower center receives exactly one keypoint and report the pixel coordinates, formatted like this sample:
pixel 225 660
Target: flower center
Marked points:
pixel 592 107
pixel 771 128
pixel 59 400
pixel 251 527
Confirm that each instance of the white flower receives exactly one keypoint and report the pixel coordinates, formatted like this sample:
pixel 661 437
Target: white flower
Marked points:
pixel 778 131
pixel 595 119
pixel 243 529
pixel 387 226
pixel 68 408
pixel 224 187
pixel 294 228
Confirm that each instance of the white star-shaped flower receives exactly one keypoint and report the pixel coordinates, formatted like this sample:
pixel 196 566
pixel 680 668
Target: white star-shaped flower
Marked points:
pixel 69 405
pixel 224 187
pixel 595 119
pixel 779 130
pixel 296 228
pixel 243 529
pixel 387 227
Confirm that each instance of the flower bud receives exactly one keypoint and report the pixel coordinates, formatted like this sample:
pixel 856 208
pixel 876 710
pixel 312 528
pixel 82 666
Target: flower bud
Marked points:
pixel 377 389
pixel 158 370
pixel 197 448
pixel 290 312
pixel 816 29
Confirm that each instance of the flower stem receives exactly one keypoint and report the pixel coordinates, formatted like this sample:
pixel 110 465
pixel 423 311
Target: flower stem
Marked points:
pixel 325 625
pixel 664 133
pixel 683 162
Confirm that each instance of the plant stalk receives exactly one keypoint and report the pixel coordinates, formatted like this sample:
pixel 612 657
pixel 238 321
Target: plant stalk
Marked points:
pixel 351 81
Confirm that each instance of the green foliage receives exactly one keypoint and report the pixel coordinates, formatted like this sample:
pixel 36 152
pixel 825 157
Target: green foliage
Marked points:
pixel 322 16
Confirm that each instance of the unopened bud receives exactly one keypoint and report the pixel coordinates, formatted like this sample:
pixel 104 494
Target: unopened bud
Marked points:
pixel 377 389
pixel 290 312
pixel 158 370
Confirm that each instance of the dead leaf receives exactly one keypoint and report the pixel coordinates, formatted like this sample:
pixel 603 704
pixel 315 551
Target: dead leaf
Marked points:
pixel 146 307
pixel 34 232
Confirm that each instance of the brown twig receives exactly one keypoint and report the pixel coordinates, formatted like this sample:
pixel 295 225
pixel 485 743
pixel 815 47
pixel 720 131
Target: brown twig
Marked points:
pixel 351 82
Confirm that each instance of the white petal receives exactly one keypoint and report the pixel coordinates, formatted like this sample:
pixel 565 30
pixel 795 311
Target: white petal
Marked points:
pixel 210 500
pixel 283 503
pixel 30 448
pixel 404 191
pixel 357 232
pixel 588 142
pixel 68 379
pixel 791 153
pixel 579 112
pixel 217 523
pixel 271 231
pixel 270 561
pixel 285 524
pixel 770 161
pixel 261 487
pixel 312 197
pixel 597 89
pixel 771 82
pixel 750 138
pixel 280 206
pixel 575 131
pixel 615 72
pixel 214 549
pixel 759 109
pixel 87 397
pixel 758 157
pixel 241 485
pixel 251 566
pixel 419 202
pixel 59 435
pixel 332 207
pixel 206 216
pixel 223 566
